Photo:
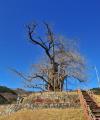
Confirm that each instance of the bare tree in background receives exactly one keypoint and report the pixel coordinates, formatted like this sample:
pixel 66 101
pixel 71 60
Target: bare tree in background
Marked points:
pixel 62 59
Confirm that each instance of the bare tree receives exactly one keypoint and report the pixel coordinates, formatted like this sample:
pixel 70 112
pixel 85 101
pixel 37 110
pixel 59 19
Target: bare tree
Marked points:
pixel 63 60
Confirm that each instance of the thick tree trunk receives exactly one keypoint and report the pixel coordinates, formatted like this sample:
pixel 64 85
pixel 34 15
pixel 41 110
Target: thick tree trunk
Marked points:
pixel 56 86
pixel 56 80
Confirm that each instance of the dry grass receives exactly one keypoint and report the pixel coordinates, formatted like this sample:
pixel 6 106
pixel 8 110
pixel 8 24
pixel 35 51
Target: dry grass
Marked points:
pixel 3 107
pixel 46 114
pixel 97 98
pixel 48 94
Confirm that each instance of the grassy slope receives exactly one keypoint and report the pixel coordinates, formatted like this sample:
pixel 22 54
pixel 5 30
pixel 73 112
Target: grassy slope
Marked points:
pixel 46 114
pixel 4 89
pixel 96 92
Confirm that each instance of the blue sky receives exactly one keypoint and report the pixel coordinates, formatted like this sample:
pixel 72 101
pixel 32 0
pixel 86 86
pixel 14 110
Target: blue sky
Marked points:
pixel 78 19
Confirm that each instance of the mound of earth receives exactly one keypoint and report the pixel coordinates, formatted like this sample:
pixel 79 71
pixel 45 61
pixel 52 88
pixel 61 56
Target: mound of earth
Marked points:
pixel 7 95
pixel 96 91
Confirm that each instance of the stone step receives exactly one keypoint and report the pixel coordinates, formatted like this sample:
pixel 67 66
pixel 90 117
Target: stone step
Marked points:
pixel 88 100
pixel 97 114
pixel 96 110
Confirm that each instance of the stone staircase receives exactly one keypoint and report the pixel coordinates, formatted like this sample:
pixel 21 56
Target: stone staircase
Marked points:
pixel 91 108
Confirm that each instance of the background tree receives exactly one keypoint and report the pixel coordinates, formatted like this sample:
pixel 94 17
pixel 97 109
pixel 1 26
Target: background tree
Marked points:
pixel 62 60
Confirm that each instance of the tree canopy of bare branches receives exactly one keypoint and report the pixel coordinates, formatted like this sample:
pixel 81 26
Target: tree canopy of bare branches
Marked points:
pixel 63 59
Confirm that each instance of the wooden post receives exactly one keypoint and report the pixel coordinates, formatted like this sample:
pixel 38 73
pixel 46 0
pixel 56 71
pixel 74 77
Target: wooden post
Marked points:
pixel 60 86
pixel 54 85
pixel 43 85
pixel 66 84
